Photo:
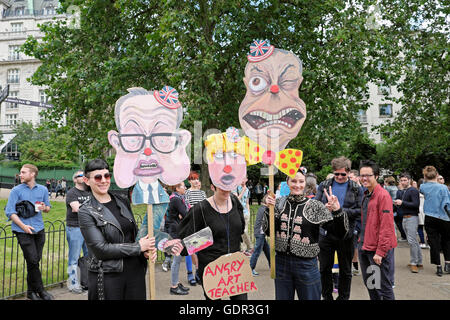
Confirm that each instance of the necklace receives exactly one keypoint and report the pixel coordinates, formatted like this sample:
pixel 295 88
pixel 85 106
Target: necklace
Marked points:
pixel 218 210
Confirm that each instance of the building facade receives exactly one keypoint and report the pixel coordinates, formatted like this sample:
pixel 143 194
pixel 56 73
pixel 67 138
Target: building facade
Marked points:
pixel 19 19
pixel 382 109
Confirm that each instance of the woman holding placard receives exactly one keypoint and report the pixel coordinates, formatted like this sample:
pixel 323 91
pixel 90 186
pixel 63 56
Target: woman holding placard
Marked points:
pixel 222 212
pixel 117 264
pixel 297 222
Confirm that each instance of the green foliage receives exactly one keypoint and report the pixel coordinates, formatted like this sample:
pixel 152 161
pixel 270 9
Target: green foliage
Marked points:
pixel 44 147
pixel 419 135
pixel 200 48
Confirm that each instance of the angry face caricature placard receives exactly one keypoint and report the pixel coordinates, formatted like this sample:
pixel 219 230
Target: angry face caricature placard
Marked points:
pixel 272 112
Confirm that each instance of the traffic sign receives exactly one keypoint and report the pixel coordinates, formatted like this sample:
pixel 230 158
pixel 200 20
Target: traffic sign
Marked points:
pixel 4 94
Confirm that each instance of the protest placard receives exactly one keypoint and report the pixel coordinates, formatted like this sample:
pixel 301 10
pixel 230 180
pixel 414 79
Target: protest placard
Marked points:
pixel 227 276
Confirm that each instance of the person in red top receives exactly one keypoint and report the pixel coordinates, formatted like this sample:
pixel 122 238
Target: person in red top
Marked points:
pixel 377 238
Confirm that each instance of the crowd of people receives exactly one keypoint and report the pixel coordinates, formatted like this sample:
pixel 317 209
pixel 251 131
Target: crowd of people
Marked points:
pixel 353 214
pixel 59 187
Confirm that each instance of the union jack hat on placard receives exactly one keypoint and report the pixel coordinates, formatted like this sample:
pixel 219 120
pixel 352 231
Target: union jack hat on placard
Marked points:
pixel 260 50
pixel 168 97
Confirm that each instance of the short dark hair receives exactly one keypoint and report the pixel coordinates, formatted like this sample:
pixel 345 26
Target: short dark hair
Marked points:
pixel 405 175
pixel 96 164
pixel 370 164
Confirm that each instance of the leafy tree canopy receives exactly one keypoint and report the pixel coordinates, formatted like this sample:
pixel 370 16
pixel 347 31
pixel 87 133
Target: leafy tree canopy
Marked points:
pixel 200 48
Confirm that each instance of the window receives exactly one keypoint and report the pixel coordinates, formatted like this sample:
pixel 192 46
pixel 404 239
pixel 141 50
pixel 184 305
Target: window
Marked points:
pixel 11 119
pixel 13 52
pixel 49 11
pixel 385 110
pixel 20 11
pixel 13 76
pixel 11 105
pixel 16 27
pixel 43 98
pixel 362 116
pixel 383 90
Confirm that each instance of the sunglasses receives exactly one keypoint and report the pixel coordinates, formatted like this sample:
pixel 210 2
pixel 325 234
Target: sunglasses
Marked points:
pixel 340 174
pixel 79 176
pixel 99 177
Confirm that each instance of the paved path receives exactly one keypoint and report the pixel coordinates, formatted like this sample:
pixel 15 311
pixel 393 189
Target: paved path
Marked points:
pixel 408 286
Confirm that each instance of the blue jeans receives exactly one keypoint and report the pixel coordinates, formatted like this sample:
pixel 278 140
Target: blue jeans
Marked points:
pixel 190 275
pixel 76 243
pixel 174 270
pixel 260 245
pixel 377 278
pixel 294 274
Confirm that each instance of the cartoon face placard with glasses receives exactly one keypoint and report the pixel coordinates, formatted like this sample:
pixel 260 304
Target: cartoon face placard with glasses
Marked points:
pixel 149 143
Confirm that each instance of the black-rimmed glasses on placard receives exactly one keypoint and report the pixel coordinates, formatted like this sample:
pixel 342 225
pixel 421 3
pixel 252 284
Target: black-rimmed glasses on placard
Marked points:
pixel 161 142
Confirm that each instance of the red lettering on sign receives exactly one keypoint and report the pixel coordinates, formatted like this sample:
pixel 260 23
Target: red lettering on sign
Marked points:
pixel 222 281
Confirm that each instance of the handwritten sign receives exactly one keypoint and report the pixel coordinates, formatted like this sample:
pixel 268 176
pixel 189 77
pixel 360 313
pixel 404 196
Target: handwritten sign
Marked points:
pixel 228 276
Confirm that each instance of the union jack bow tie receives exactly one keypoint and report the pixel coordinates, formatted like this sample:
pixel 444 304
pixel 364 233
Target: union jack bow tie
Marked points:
pixel 168 97
pixel 260 50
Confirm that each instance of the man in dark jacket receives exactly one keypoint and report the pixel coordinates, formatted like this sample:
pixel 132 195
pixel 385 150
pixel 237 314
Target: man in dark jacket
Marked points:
pixel 408 202
pixel 349 194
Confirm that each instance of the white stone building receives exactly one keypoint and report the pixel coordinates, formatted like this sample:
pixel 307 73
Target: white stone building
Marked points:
pixel 381 110
pixel 18 20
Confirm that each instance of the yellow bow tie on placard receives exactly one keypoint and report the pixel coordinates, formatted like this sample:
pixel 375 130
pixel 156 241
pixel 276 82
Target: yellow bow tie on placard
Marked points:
pixel 287 161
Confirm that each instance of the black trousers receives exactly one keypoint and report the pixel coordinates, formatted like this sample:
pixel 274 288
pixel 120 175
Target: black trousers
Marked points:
pixel 345 250
pixel 126 285
pixel 438 232
pixel 32 246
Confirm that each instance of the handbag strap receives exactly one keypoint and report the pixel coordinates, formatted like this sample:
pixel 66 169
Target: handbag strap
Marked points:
pixel 201 210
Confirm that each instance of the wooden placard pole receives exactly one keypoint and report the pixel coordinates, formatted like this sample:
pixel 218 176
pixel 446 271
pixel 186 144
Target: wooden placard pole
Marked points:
pixel 272 224
pixel 151 265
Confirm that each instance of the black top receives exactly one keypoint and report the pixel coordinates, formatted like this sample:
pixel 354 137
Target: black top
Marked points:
pixel 75 194
pixel 226 228
pixel 410 201
pixel 176 211
pixel 126 225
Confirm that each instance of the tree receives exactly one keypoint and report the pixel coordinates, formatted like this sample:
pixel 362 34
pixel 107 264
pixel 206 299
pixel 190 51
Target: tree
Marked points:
pixel 419 134
pixel 200 48
pixel 44 147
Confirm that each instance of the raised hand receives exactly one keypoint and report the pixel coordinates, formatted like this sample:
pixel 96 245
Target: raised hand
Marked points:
pixel 333 202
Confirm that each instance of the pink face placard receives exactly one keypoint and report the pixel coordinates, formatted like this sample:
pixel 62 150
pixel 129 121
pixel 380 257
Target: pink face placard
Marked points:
pixel 272 112
pixel 149 144
pixel 226 156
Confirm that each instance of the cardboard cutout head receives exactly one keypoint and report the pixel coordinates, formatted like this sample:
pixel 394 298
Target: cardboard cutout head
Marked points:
pixel 272 112
pixel 149 144
pixel 226 156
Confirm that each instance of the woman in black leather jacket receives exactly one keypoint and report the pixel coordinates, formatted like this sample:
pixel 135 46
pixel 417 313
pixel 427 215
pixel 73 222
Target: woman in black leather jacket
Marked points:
pixel 117 263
